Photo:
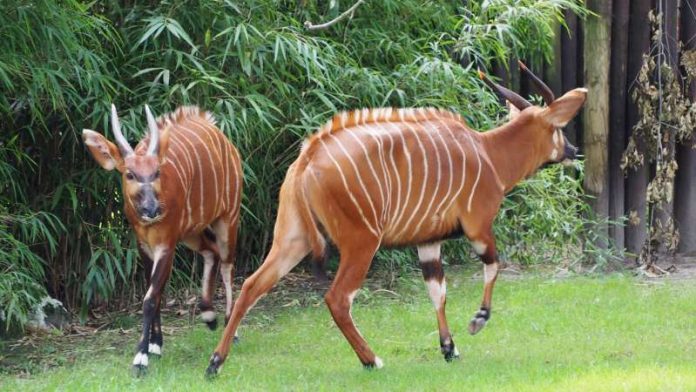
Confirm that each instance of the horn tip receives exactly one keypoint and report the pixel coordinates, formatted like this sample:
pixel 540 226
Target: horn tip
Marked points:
pixel 522 65
pixel 481 75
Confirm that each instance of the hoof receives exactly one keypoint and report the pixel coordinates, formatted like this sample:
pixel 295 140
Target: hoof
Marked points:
pixel 235 340
pixel 139 371
pixel 213 367
pixel 140 364
pixel 377 364
pixel 450 352
pixel 476 324
pixel 210 319
pixel 479 321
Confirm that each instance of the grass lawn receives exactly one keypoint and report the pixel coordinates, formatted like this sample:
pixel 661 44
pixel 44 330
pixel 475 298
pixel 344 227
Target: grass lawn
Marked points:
pixel 572 334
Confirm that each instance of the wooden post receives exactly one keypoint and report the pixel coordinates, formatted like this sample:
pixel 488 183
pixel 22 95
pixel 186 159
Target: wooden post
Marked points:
pixel 637 182
pixel 596 112
pixel 685 187
pixel 617 110
pixel 670 35
pixel 569 64
pixel 552 71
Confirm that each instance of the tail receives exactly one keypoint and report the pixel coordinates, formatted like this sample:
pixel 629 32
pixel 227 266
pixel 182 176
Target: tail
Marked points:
pixel 315 238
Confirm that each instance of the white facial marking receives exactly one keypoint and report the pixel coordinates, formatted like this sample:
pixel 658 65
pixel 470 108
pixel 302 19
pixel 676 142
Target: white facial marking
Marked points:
pixel 479 247
pixel 556 138
pixel 208 316
pixel 456 351
pixel 378 363
pixel 140 359
pixel 430 252
pixel 154 349
pixel 437 292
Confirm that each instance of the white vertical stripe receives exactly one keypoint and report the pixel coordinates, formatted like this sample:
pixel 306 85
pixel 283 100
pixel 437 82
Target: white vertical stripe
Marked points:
pixel 372 170
pixel 358 176
pixel 427 213
pixel 423 181
pixel 463 172
pixel 191 173
pixel 450 174
pixel 202 130
pixel 350 194
pixel 478 174
pixel 199 175
pixel 373 131
pixel 407 195
pixel 397 206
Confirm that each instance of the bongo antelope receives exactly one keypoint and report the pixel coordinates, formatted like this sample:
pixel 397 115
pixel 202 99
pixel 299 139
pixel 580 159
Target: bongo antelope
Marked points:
pixel 387 177
pixel 183 182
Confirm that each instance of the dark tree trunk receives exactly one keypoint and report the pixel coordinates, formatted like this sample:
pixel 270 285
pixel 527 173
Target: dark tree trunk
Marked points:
pixel 617 134
pixel 685 187
pixel 637 182
pixel 569 66
pixel 596 112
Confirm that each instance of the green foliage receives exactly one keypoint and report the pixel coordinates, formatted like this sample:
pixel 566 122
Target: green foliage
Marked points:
pixel 24 236
pixel 495 29
pixel 269 83
pixel 547 218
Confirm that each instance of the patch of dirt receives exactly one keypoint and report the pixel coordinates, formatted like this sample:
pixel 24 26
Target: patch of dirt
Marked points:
pixel 680 267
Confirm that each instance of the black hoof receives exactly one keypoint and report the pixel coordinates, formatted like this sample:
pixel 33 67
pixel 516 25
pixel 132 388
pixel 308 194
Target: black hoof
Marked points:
pixel 479 321
pixel 476 324
pixel 212 325
pixel 377 364
pixel 214 367
pixel 449 351
pixel 211 373
pixel 139 371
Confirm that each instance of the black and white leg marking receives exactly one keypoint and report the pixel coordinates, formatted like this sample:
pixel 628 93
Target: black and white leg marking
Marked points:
pixel 434 277
pixel 487 252
pixel 161 267
pixel 207 310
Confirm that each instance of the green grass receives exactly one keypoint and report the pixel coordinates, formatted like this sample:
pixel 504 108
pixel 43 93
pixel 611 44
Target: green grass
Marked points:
pixel 580 333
